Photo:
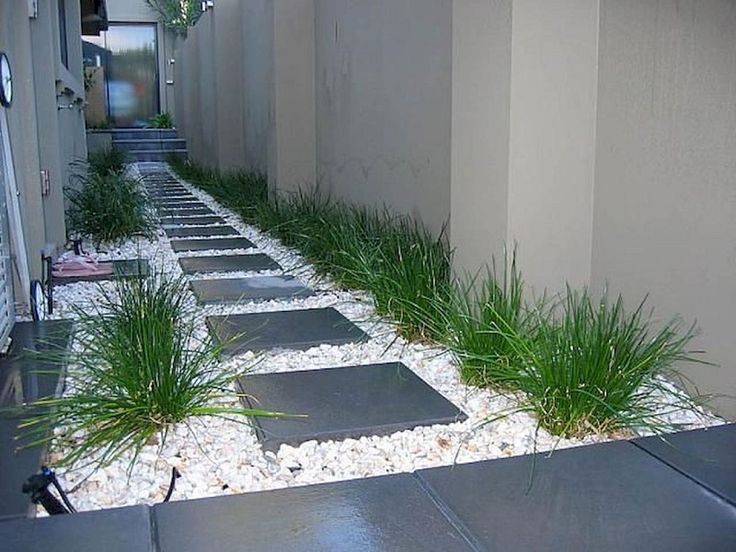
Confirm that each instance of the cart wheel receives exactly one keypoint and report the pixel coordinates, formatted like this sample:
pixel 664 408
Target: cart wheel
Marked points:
pixel 38 301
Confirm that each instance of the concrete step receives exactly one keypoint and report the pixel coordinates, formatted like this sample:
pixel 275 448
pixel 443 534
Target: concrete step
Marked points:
pixel 155 155
pixel 142 134
pixel 158 144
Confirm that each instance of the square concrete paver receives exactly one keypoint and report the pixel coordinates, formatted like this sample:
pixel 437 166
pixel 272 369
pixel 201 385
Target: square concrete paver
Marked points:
pixel 182 205
pixel 193 221
pixel 128 268
pixel 210 243
pixel 184 212
pixel 297 329
pixel 706 455
pixel 115 530
pixel 203 231
pixel 612 496
pixel 379 514
pixel 341 403
pixel 228 263
pixel 243 290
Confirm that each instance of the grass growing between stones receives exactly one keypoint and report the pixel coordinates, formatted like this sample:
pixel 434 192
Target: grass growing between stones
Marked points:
pixel 138 369
pixel 583 365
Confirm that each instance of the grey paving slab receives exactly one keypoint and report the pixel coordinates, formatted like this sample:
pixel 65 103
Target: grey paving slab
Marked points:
pixel 612 496
pixel 182 205
pixel 128 268
pixel 115 530
pixel 368 515
pixel 297 329
pixel 228 263
pixel 181 212
pixel 341 403
pixel 192 221
pixel 25 377
pixel 200 231
pixel 210 243
pixel 164 192
pixel 706 455
pixel 243 290
pixel 175 198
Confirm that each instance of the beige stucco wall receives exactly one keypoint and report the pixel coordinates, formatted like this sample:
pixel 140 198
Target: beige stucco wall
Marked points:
pixel 43 137
pixel 384 104
pixel 552 139
pixel 665 197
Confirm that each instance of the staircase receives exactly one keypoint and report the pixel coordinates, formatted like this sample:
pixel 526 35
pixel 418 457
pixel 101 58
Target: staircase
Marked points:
pixel 149 144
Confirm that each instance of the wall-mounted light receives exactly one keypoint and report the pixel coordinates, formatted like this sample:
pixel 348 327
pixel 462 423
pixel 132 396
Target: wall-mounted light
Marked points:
pixel 208 4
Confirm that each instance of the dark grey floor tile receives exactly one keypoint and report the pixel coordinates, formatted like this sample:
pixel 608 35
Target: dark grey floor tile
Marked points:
pixel 192 221
pixel 211 243
pixel 29 372
pixel 182 205
pixel 175 198
pixel 115 530
pixel 297 329
pixel 243 290
pixel 368 515
pixel 184 212
pixel 200 231
pixel 706 455
pixel 128 268
pixel 603 497
pixel 228 263
pixel 353 401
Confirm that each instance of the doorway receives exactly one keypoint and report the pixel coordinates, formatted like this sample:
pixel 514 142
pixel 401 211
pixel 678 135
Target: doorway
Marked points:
pixel 121 75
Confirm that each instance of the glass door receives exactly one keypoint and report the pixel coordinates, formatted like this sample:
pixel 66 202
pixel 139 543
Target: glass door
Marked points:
pixel 121 75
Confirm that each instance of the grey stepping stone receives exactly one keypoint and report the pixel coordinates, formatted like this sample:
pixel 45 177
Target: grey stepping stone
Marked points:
pixel 129 268
pixel 228 263
pixel 182 205
pixel 708 456
pixel 175 198
pixel 376 514
pixel 114 530
pixel 24 378
pixel 242 290
pixel 341 403
pixel 604 497
pixel 204 231
pixel 211 243
pixel 193 221
pixel 297 329
pixel 180 212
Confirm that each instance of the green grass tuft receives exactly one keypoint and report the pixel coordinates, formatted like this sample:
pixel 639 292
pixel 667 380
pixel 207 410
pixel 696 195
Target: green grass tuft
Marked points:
pixel 139 370
pixel 108 207
pixel 105 161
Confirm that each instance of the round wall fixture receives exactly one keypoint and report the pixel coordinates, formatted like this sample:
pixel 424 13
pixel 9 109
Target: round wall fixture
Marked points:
pixel 6 81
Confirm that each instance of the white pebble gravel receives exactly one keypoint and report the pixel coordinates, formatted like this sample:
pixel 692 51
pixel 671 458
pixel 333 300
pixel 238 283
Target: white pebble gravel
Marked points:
pixel 218 456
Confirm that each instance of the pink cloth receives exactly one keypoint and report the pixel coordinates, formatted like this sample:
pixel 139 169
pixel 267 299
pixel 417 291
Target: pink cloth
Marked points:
pixel 80 265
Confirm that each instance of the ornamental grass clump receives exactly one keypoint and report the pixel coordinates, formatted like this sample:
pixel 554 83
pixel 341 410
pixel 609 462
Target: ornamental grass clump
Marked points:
pixel 139 368
pixel 589 366
pixel 476 314
pixel 108 207
pixel 105 161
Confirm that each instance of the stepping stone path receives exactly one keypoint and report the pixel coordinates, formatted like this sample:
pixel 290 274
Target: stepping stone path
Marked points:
pixel 639 495
pixel 355 401
pixel 241 290
pixel 200 231
pixel 295 329
pixel 228 263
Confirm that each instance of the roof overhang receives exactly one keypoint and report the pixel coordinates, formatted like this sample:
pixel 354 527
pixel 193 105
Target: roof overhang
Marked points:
pixel 94 16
